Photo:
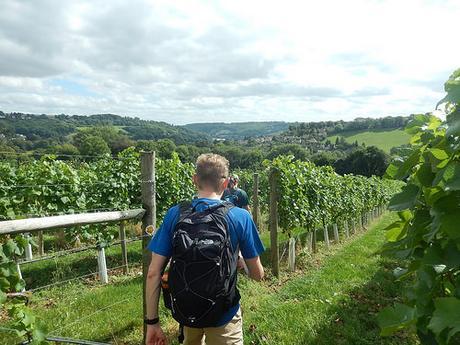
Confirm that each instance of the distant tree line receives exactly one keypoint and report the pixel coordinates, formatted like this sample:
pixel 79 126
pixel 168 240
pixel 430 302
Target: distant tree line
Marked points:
pixel 321 130
pixel 109 134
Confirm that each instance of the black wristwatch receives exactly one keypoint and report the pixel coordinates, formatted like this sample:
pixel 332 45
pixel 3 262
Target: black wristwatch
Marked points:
pixel 152 321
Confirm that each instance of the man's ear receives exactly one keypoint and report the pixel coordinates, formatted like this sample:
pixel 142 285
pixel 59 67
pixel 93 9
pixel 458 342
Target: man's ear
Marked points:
pixel 224 185
pixel 195 181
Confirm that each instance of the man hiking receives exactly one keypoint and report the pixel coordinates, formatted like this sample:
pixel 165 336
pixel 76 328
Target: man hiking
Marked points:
pixel 201 239
pixel 235 195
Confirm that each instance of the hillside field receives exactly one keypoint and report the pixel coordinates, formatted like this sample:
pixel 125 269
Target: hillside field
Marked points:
pixel 384 140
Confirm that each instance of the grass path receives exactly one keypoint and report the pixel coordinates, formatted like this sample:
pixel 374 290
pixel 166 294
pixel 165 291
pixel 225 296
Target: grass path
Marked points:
pixel 332 299
pixel 335 303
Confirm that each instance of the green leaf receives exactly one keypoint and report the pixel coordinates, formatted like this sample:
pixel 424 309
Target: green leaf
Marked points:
pixel 10 214
pixel 446 316
pixel 451 176
pixel 439 154
pixel 3 297
pixel 38 337
pixel 10 248
pixel 405 215
pixel 5 269
pixel 396 318
pixel 392 170
pixel 453 124
pixel 407 165
pixel 449 224
pixel 4 284
pixel 452 87
pixel 425 175
pixel 417 123
pixel 395 231
pixel 20 285
pixel 406 199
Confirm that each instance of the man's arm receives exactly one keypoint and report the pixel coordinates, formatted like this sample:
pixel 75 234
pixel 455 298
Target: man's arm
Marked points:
pixel 152 295
pixel 255 268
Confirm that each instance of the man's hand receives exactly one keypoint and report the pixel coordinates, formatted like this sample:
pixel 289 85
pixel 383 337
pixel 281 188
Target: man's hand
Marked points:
pixel 155 335
pixel 241 265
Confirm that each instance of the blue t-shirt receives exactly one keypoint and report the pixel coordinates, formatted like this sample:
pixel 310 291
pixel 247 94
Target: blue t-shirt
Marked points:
pixel 242 230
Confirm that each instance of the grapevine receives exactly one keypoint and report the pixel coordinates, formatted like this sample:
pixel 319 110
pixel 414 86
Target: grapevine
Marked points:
pixel 427 234
pixel 312 196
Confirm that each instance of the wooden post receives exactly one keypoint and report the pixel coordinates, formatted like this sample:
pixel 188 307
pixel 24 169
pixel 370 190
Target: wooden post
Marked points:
pixel 336 233
pixel 102 265
pixel 255 200
pixel 347 232
pixel 273 220
pixel 149 218
pixel 310 242
pixel 291 255
pixel 28 249
pixel 326 236
pixel 124 252
pixel 313 242
pixel 41 244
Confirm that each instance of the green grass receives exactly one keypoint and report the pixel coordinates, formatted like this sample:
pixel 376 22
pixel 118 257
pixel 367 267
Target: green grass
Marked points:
pixel 333 303
pixel 384 140
pixel 333 298
pixel 46 272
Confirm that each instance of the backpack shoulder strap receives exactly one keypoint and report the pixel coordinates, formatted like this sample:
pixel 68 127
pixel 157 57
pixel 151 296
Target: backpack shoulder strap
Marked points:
pixel 227 206
pixel 185 209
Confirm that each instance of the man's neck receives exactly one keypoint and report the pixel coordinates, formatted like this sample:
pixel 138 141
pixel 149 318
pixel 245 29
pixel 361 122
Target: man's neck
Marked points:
pixel 209 195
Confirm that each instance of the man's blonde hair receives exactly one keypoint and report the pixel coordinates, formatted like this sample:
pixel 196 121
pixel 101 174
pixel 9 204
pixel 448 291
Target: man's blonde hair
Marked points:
pixel 211 170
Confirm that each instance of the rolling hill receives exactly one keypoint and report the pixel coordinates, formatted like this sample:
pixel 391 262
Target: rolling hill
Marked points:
pixel 239 130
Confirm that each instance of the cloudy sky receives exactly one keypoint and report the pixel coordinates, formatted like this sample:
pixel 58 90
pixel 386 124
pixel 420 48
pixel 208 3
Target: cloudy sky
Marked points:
pixel 238 60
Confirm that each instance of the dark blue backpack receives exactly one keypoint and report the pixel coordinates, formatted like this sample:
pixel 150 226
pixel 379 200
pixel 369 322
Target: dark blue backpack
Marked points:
pixel 202 275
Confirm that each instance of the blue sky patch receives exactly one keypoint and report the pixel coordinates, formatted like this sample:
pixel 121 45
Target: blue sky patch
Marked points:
pixel 73 87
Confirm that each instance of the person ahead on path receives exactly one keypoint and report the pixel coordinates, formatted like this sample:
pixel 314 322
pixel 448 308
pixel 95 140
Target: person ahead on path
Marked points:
pixel 209 232
pixel 235 195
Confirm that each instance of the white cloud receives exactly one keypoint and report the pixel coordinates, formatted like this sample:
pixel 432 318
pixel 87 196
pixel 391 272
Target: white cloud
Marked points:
pixel 191 60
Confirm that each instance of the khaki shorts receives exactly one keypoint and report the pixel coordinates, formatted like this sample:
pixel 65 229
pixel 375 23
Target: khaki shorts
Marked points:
pixel 229 334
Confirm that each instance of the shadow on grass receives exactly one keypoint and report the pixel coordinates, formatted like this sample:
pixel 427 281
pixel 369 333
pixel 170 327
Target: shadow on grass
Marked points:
pixel 353 320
